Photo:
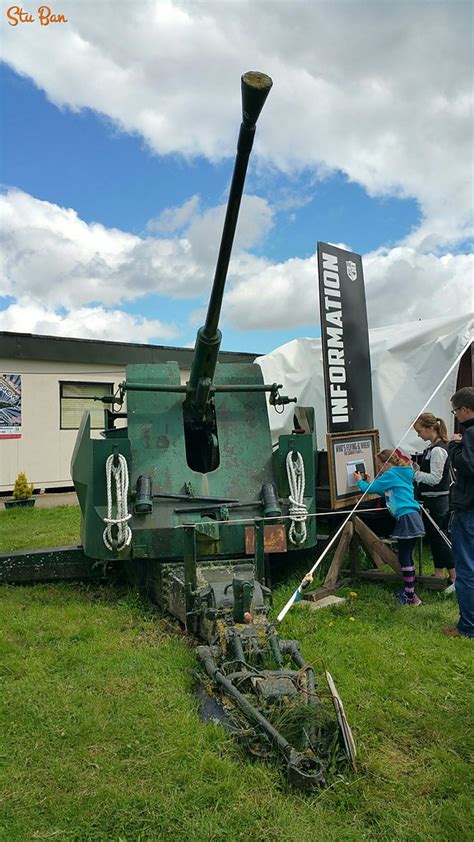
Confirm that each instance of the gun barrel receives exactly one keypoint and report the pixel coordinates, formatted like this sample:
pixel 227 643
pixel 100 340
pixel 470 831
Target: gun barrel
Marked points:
pixel 255 89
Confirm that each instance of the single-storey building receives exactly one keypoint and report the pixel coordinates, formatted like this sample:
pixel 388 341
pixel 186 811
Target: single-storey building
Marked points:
pixel 46 383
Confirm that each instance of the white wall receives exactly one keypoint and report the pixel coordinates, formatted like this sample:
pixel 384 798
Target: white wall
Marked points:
pixel 44 451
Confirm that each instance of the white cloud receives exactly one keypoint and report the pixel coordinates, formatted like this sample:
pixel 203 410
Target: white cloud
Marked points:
pixel 381 91
pixel 56 262
pixel 204 233
pixel 85 323
pixel 274 295
pixel 54 257
pixel 401 285
pixel 172 219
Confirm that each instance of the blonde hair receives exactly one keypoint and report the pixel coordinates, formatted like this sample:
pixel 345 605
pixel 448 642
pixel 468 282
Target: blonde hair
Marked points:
pixel 394 457
pixel 431 422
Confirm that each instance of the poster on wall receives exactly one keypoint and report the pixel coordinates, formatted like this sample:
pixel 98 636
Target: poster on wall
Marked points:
pixel 349 452
pixel 10 406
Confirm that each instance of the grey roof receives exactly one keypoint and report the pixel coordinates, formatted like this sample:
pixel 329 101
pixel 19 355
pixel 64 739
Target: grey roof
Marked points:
pixel 29 346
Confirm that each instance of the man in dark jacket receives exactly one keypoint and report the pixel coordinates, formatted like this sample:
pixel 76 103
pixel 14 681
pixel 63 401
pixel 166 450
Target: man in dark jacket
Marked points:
pixel 461 457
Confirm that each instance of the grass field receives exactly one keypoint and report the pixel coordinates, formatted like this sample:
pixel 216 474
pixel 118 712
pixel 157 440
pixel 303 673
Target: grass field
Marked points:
pixel 37 528
pixel 101 736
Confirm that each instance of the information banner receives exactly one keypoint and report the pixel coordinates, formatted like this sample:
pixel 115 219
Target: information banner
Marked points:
pixel 344 340
pixel 10 406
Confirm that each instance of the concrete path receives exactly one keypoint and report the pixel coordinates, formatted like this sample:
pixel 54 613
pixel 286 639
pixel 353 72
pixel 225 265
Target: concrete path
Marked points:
pixel 50 499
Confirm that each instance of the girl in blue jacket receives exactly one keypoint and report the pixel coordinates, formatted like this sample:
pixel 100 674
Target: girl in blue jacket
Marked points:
pixel 394 481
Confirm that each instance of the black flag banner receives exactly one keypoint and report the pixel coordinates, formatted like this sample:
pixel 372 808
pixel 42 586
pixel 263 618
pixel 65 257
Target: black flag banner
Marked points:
pixel 344 340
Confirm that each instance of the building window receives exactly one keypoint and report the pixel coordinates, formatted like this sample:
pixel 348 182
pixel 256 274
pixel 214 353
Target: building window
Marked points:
pixel 76 398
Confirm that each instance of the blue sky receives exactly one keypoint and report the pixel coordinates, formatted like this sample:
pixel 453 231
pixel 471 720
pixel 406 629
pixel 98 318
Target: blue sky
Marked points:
pixel 112 194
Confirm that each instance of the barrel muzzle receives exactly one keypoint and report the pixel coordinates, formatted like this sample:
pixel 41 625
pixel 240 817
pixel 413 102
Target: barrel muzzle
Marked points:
pixel 255 89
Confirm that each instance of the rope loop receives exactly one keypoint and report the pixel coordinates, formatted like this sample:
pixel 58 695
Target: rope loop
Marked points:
pixel 297 510
pixel 119 475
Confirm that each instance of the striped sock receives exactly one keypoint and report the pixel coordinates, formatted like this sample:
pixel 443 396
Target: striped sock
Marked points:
pixel 408 574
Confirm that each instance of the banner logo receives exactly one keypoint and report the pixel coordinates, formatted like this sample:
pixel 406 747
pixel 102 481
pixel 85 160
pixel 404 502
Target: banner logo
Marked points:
pixel 351 270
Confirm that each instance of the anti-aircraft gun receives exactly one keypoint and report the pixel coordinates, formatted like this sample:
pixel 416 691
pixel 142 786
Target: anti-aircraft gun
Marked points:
pixel 205 483
pixel 190 500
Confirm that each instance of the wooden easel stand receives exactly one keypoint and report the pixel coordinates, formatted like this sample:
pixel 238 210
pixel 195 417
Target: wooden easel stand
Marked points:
pixel 355 533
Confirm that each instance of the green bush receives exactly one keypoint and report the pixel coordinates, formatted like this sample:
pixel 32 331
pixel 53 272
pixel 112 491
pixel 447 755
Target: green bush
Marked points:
pixel 22 489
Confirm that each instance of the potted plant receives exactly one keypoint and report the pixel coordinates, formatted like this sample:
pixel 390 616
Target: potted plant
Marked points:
pixel 22 492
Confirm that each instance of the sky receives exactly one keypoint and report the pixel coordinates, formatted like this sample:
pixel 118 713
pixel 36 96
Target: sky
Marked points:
pixel 119 129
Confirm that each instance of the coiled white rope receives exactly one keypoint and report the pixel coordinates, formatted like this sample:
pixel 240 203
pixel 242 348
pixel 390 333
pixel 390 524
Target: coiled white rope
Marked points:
pixel 297 510
pixel 124 534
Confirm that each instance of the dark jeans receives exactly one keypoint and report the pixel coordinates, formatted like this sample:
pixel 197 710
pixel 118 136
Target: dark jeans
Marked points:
pixel 439 510
pixel 462 534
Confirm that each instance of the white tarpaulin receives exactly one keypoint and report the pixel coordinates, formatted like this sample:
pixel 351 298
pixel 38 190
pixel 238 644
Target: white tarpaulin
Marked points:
pixel 408 362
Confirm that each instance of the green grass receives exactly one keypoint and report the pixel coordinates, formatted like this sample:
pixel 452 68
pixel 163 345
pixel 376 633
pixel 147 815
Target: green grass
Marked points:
pixel 37 528
pixel 101 737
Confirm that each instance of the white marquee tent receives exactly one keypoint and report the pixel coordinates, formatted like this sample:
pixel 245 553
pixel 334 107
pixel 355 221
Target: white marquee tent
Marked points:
pixel 408 362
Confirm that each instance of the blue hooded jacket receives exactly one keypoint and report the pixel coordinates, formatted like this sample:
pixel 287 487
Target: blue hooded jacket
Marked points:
pixel 396 485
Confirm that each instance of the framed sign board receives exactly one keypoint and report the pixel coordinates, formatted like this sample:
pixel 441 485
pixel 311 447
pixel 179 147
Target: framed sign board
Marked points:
pixel 349 452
